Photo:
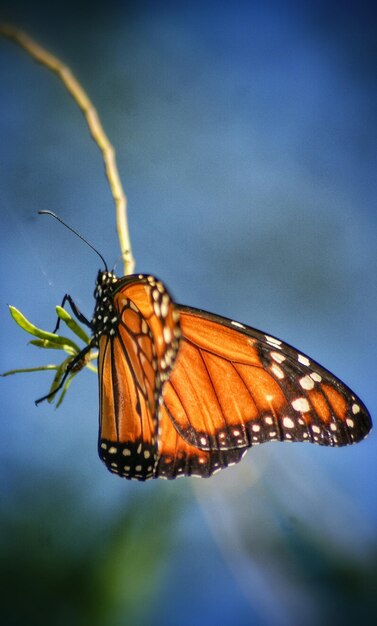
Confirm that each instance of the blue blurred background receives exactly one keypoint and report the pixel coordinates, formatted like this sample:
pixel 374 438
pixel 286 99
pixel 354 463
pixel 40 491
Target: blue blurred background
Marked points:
pixel 246 139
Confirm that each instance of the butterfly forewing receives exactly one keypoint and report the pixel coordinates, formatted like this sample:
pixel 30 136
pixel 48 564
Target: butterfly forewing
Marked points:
pixel 135 357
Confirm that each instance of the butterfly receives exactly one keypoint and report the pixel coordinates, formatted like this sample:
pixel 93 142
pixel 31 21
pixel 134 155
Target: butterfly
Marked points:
pixel 183 392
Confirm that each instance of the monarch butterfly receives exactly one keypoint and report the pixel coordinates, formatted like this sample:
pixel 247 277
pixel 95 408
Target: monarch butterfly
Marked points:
pixel 183 392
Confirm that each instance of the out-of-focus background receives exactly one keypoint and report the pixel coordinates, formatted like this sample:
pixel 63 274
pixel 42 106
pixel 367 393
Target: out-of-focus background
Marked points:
pixel 246 140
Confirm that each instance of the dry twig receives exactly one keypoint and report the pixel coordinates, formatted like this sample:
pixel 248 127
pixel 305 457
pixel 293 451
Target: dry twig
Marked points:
pixel 108 153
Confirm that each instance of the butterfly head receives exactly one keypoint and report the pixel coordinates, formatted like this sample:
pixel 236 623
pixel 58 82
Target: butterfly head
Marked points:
pixel 104 279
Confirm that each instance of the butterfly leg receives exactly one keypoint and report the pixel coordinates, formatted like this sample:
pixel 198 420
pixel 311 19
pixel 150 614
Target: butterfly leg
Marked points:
pixel 77 313
pixel 71 365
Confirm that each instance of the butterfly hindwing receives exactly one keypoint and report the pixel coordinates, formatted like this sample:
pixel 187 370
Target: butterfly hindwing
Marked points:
pixel 177 457
pixel 233 387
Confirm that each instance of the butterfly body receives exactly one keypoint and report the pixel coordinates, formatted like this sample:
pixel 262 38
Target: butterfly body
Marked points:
pixel 183 392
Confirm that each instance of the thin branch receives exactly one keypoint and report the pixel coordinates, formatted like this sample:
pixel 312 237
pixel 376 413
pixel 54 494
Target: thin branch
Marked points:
pixel 108 153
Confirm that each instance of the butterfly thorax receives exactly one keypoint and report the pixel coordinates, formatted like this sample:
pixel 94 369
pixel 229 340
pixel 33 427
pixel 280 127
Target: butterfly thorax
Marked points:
pixel 105 319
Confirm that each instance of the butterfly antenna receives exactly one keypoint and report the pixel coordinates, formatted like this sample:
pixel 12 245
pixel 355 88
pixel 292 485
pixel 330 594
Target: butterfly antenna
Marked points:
pixel 75 233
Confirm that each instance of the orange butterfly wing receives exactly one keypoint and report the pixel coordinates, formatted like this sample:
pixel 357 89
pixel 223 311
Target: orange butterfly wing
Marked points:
pixel 177 457
pixel 133 364
pixel 233 387
pixel 184 392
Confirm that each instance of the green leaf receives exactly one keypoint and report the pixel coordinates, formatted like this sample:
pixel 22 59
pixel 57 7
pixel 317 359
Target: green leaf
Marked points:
pixel 72 324
pixel 53 341
pixel 27 326
pixel 30 369
pixel 57 378
pixel 59 375
pixel 65 388
pixel 46 343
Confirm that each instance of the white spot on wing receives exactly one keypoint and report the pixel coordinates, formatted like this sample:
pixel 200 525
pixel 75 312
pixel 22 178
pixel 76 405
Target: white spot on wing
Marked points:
pixel 277 371
pixel 167 334
pixel 316 377
pixel 303 360
pixel 273 342
pixel 306 382
pixel 288 422
pixel 277 356
pixel 301 404
pixel 164 309
pixel 237 324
